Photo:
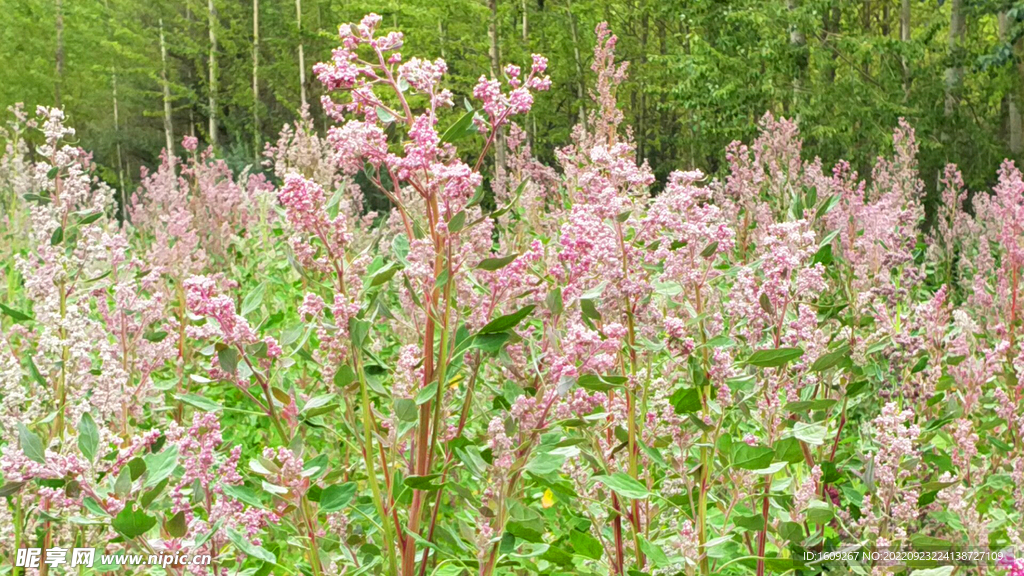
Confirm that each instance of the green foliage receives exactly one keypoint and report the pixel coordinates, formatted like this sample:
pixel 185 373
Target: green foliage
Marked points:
pixel 702 73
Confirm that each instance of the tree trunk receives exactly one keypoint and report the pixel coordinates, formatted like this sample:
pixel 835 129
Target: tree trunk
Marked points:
pixel 905 39
pixel 441 38
pixel 256 76
pixel 577 57
pixel 117 145
pixel 526 22
pixel 212 19
pixel 866 29
pixel 168 124
pixel 302 59
pixel 59 80
pixel 499 141
pixel 798 44
pixel 831 17
pixel 955 73
pixel 1013 116
pixel 117 123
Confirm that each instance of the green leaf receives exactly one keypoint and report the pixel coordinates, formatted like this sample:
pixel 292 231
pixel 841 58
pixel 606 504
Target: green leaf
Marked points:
pixel 470 457
pixel 753 457
pixel 228 360
pixel 492 264
pixel 507 321
pixel 685 400
pixel 586 545
pixel 771 469
pixel 709 250
pixel 478 197
pixel 336 497
pixel 385 116
pixel 344 376
pixel 250 549
pixel 384 274
pixel 457 222
pixel 319 405
pixel 589 309
pixel 554 301
pixel 31 444
pixel 531 531
pixel 247 495
pixel 203 403
pixel 36 198
pixel 623 484
pixel 654 553
pixel 463 127
pixel 813 434
pixel 14 314
pixel 88 436
pixel 600 383
pixel 33 371
pixel 489 342
pixel 720 341
pixel 11 488
pixel 254 299
pixel 831 359
pixel 423 482
pixel 358 330
pixel 147 497
pixel 405 409
pixel 788 450
pixel 545 463
pixel 426 394
pixel 137 467
pixel 819 512
pixel 176 526
pixel 132 522
pixel 57 237
pixel 160 465
pixel 90 218
pixel 401 247
pixel 774 357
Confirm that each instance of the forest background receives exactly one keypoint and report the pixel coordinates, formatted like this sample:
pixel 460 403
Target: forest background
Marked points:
pixel 134 76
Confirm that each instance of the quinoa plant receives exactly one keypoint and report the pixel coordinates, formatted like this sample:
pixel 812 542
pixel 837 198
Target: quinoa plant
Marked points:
pixel 514 367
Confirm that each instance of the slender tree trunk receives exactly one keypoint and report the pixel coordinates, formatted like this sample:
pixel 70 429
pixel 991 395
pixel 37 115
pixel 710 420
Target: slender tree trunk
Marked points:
pixel 526 22
pixel 831 18
pixel 955 72
pixel 117 145
pixel 212 19
pixel 302 59
pixel 577 57
pixel 1013 115
pixel 905 39
pixel 441 38
pixel 168 123
pixel 798 44
pixel 492 32
pixel 59 80
pixel 866 29
pixel 256 76
pixel 117 125
pixel 1016 121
